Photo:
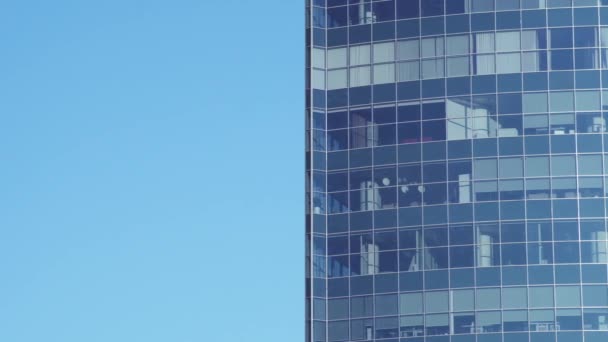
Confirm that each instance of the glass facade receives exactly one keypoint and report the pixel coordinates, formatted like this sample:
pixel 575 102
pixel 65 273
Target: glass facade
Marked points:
pixel 456 166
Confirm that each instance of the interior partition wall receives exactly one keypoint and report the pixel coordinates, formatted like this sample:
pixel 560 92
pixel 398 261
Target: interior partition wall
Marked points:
pixel 456 170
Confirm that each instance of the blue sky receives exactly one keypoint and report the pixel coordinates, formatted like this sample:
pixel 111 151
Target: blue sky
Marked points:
pixel 152 170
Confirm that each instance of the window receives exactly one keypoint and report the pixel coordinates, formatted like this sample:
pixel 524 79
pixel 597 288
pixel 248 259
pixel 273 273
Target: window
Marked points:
pixel 410 303
pixel 408 49
pixel 432 68
pixel 436 301
pixel 336 79
pixel 432 47
pixel 458 66
pixel 514 297
pixel 482 5
pixel 562 101
pixel 507 41
pixel 384 52
pixel 360 76
pixel 336 58
pixel 318 79
pixel 384 73
pixel 458 45
pixel 534 61
pixel 534 102
pixel 359 55
pixel 409 71
pixel 318 58
pixel 507 63
pixel 484 42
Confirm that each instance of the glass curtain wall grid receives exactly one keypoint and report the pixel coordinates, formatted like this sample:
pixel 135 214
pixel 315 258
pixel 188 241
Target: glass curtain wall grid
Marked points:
pixel 456 170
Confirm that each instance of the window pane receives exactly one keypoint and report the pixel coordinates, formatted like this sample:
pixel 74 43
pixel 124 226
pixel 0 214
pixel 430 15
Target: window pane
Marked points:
pixel 484 64
pixel 436 301
pixel 458 66
pixel 508 63
pixel 515 297
pixel 541 296
pixel 336 58
pixel 359 54
pixel 488 299
pixel 567 296
pixel 384 73
pixel 384 52
pixel 535 102
pixel 360 76
pixel 507 41
pixel 336 79
pixel 458 45
pixel 463 300
pixel 562 101
pixel 484 42
pixel 408 49
pixel 411 303
pixel 409 71
pixel 534 61
pixel 432 47
pixel 432 68
pixel 318 58
pixel 318 79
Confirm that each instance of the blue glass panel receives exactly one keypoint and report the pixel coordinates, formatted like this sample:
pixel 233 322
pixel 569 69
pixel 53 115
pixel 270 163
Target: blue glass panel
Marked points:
pixel 431 8
pixel 482 21
pixel 337 287
pixel 535 81
pixel 410 216
pixel 509 82
pixel 433 88
pixel 436 279
pixel 567 274
pixel 432 26
pixel 585 16
pixel 535 18
pixel 488 276
pixel 538 209
pixel 407 9
pixel 337 37
pixel 508 20
pixel 410 281
pixel 360 34
pixel 361 221
pixel 484 84
pixel 435 214
pixel 587 79
pixel 462 277
pixel 456 6
pixel 596 336
pixel 569 336
pixel 457 23
pixel 540 274
pixel 385 283
pixel 360 95
pixel 458 86
pixel 383 31
pixel 408 90
pixel 408 28
pixel 515 275
pixel 560 17
pixel 361 285
pixel 461 213
pixel 594 273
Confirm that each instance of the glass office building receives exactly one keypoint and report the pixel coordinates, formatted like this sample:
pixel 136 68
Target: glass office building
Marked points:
pixel 456 170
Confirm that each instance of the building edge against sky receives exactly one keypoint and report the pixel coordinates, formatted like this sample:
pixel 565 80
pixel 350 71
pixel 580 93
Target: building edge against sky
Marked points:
pixel 456 170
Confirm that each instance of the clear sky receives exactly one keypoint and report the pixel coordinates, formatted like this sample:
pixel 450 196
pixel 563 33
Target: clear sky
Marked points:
pixel 151 166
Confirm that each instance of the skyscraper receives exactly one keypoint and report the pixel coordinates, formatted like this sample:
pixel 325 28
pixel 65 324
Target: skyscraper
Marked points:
pixel 456 170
